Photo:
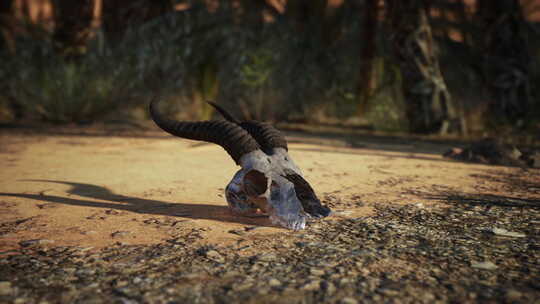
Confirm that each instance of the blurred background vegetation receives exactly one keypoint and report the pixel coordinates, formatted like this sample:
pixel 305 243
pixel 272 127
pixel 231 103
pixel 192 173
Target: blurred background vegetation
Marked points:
pixel 433 67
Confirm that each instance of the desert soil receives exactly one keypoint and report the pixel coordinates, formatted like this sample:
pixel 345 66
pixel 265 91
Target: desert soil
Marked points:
pixel 98 193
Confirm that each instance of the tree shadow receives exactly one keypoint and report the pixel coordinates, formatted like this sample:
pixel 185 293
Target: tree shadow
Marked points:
pixel 356 141
pixel 140 205
pixel 523 180
pixel 124 129
pixel 353 138
pixel 485 200
pixel 367 153
pixel 369 140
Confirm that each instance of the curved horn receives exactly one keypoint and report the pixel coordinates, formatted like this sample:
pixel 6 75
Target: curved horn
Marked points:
pixel 235 140
pixel 264 133
pixel 224 113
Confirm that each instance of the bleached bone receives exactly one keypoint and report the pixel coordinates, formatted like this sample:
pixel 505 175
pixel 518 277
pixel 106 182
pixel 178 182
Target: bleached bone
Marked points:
pixel 268 180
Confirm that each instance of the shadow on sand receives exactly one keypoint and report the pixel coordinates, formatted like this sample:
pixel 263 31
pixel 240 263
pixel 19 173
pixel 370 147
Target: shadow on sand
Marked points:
pixel 111 200
pixel 486 200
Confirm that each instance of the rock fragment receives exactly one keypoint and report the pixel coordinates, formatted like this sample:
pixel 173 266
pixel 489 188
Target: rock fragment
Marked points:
pixel 348 300
pixel 215 256
pixel 119 234
pixel 274 282
pixel 312 285
pixel 35 242
pixel 316 271
pixel 487 265
pixel 5 288
pixel 504 232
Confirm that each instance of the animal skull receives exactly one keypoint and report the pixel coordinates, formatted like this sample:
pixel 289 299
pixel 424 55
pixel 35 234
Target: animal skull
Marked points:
pixel 268 179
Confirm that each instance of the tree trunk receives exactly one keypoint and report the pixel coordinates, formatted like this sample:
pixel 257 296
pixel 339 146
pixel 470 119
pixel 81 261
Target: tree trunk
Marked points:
pixel 463 22
pixel 367 84
pixel 118 15
pixel 427 100
pixel 73 26
pixel 505 60
pixel 7 40
pixel 317 19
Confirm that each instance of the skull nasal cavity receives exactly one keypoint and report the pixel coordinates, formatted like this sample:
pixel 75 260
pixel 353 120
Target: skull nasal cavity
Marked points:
pixel 255 183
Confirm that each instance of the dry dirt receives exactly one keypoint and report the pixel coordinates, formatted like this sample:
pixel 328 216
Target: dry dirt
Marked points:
pixel 101 216
pixel 97 189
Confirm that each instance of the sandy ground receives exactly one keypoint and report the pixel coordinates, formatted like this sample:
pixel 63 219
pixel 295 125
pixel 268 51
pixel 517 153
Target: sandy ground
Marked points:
pixel 99 190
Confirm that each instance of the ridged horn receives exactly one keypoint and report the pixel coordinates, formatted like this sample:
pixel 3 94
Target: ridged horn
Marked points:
pixel 264 133
pixel 234 139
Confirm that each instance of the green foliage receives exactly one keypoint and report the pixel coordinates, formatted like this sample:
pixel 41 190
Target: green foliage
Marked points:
pixel 68 91
pixel 291 68
pixel 87 88
pixel 387 110
pixel 271 71
pixel 258 68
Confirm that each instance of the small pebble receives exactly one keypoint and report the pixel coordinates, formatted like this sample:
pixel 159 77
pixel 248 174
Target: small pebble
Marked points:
pixel 513 295
pixel 215 256
pixel 89 232
pixel 269 257
pixel 504 232
pixel 274 282
pixel 348 300
pixel 313 285
pixel 118 234
pixel 487 265
pixel 237 231
pixel 5 288
pixel 316 272
pixel 36 242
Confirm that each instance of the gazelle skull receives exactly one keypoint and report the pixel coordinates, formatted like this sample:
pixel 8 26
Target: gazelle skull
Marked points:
pixel 268 180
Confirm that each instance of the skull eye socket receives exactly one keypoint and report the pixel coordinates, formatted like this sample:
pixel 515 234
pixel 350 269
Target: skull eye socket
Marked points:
pixel 255 183
pixel 301 187
pixel 307 197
